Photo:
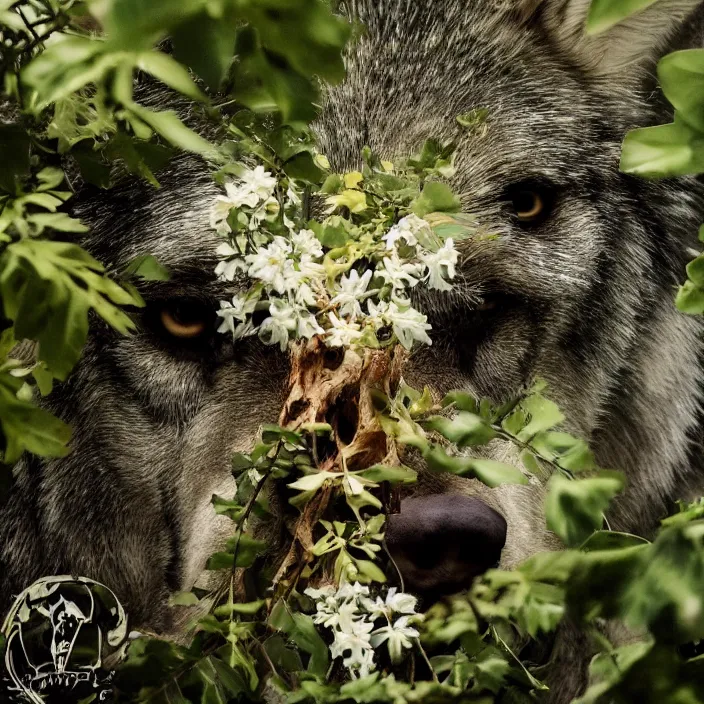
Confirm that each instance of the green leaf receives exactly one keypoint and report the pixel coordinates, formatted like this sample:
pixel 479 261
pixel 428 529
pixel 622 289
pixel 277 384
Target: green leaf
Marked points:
pixel 207 46
pixel 462 400
pixel 611 540
pixel 666 597
pixel 170 72
pixel 245 548
pixel 227 507
pixel 681 75
pixel 301 630
pixel 220 561
pixel 169 126
pixel 604 14
pixel 436 197
pixel 285 658
pixel 26 427
pixel 465 429
pixel 61 222
pixel 183 599
pixel 663 151
pixel 438 460
pixel 147 268
pixel 273 433
pixel 248 609
pixel 690 299
pixel 541 414
pixel 393 475
pixel 94 169
pixel 302 167
pixel 494 473
pixel 48 289
pixel 569 452
pixel 575 508
pixel 369 572
pixel 14 147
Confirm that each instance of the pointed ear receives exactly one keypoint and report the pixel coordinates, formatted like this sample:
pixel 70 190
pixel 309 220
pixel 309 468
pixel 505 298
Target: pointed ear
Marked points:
pixel 634 41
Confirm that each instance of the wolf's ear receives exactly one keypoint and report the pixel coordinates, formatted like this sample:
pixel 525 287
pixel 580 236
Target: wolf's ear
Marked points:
pixel 634 41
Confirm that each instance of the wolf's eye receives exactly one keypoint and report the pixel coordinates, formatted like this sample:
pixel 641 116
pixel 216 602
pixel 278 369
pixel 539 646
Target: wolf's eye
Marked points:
pixel 185 318
pixel 530 203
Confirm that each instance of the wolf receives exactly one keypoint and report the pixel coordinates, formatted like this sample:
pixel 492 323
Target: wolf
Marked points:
pixel 577 287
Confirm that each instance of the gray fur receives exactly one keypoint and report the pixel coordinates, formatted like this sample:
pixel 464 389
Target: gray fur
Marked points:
pixel 591 301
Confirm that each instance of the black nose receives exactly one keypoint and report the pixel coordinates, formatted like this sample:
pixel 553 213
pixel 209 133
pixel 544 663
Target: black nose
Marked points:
pixel 440 543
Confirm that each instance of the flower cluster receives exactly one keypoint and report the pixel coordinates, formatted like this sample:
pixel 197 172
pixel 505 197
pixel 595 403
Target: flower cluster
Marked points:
pixel 351 614
pixel 352 292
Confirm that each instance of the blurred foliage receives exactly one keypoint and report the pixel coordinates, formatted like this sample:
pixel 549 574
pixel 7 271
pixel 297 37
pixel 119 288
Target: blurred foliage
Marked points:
pixel 674 149
pixel 70 72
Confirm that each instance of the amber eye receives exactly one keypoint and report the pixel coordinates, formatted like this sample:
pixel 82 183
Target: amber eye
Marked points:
pixel 530 203
pixel 185 319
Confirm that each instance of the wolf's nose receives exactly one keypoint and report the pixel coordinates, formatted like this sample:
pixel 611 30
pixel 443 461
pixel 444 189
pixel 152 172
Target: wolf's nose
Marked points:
pixel 441 542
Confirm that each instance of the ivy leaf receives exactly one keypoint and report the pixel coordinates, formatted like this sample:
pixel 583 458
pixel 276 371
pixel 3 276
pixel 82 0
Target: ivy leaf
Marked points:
pixel 574 509
pixel 604 14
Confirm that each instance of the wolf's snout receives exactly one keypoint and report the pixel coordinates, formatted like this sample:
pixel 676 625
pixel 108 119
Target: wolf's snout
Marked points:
pixel 441 542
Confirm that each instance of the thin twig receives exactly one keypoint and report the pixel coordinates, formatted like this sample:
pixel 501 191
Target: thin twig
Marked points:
pixel 427 662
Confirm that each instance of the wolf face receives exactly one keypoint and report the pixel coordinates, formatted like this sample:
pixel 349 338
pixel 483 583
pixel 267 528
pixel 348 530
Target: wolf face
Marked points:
pixel 575 285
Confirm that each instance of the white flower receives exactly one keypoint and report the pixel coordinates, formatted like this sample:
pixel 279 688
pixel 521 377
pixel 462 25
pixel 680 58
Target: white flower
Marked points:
pixel 348 590
pixel 269 263
pixel 408 324
pixel 227 270
pixel 395 603
pixel 398 636
pixel 342 333
pixel 306 243
pixel 310 269
pixel 400 602
pixel 352 288
pixel 441 264
pixel 268 207
pixel 245 330
pixel 356 642
pixel 259 183
pixel 293 196
pixel 279 325
pixel 303 295
pixel 238 309
pixel 378 313
pixel 400 274
pixel 406 229
pixel 306 324
pixel 322 593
